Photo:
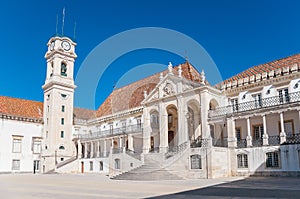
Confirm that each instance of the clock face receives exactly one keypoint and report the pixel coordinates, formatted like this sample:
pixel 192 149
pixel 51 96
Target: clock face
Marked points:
pixel 52 45
pixel 66 45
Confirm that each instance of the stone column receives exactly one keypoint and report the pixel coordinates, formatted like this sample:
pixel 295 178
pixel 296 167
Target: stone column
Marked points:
pixel 120 142
pixel 265 135
pixel 163 128
pixel 146 131
pixel 85 150
pixel 282 133
pixel 104 148
pixel 130 142
pixel 98 148
pixel 182 121
pixel 204 114
pixel 92 149
pixel 79 150
pixel 249 137
pixel 232 141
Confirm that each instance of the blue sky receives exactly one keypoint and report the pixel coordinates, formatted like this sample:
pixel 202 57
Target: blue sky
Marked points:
pixel 236 34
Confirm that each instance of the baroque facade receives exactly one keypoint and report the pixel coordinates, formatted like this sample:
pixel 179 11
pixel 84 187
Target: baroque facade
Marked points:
pixel 173 123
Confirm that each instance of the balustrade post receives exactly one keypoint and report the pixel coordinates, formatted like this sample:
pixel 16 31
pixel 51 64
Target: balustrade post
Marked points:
pixel 92 149
pixel 265 135
pixel 98 148
pixel 85 150
pixel 282 133
pixel 104 148
pixel 249 138
pixel 79 149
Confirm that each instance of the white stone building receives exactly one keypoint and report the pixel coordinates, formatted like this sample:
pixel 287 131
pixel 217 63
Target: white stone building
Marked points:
pixel 170 125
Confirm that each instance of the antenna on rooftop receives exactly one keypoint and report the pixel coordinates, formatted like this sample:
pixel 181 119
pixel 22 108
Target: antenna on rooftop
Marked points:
pixel 185 56
pixel 74 37
pixel 63 22
pixel 56 25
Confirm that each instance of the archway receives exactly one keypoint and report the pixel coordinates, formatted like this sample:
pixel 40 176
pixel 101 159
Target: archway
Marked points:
pixel 193 120
pixel 172 125
pixel 155 133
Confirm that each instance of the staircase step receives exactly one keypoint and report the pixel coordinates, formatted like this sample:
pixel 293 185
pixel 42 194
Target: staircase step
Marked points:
pixel 151 170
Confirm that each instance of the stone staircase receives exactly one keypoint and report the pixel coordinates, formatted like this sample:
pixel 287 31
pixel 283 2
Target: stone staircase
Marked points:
pixel 151 170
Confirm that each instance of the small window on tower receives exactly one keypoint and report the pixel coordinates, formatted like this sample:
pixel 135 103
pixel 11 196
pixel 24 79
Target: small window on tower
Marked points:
pixel 62 134
pixel 62 148
pixel 63 69
pixel 62 108
pixel 62 121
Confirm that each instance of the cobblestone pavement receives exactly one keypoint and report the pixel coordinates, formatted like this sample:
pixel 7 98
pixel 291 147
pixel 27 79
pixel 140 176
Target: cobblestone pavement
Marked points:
pixel 28 186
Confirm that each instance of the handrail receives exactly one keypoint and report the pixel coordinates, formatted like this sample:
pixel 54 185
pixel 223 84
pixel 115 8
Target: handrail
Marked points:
pixel 175 150
pixel 111 132
pixel 255 104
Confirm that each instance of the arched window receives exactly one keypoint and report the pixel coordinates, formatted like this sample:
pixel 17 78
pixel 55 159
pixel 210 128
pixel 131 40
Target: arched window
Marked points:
pixel 63 69
pixel 61 148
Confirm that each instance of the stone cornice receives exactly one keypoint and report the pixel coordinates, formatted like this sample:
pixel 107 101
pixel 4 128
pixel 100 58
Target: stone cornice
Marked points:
pixel 21 118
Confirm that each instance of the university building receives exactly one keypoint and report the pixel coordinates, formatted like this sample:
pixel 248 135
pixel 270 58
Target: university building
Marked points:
pixel 171 125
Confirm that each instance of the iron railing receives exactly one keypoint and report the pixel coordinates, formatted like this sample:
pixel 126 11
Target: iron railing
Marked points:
pixel 117 150
pixel 223 142
pixel 133 154
pixel 257 142
pixel 274 140
pixel 200 142
pixel 256 104
pixel 293 139
pixel 137 128
pixel 154 150
pixel 175 150
pixel 241 143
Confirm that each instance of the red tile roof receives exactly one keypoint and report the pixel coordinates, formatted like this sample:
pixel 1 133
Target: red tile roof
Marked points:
pixel 33 109
pixel 266 67
pixel 132 95
pixel 21 107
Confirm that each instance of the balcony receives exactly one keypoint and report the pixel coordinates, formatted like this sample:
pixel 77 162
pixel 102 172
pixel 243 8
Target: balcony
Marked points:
pixel 138 128
pixel 254 105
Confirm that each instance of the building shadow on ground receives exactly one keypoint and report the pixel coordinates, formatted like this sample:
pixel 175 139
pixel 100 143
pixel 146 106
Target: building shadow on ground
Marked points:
pixel 253 187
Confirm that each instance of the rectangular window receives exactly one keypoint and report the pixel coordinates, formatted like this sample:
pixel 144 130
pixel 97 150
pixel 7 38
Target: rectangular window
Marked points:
pixel 111 128
pixel 139 123
pixel 238 134
pixel 284 96
pixel 62 134
pixel 257 100
pixel 258 132
pixel 37 145
pixel 242 160
pixel 235 105
pixel 101 166
pixel 62 121
pixel 17 145
pixel 272 160
pixel 15 165
pixel 62 108
pixel 91 166
pixel 117 163
pixel 36 165
pixel 289 128
pixel 196 162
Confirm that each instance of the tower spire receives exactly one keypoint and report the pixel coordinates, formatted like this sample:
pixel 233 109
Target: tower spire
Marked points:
pixel 56 24
pixel 74 37
pixel 63 22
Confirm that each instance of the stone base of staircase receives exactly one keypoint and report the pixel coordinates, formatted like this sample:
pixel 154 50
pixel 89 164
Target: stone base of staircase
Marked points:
pixel 151 170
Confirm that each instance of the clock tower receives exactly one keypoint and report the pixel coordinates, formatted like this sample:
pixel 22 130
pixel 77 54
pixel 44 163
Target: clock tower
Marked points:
pixel 58 103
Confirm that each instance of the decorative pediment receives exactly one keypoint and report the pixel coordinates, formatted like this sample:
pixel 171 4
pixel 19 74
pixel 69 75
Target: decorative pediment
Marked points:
pixel 168 88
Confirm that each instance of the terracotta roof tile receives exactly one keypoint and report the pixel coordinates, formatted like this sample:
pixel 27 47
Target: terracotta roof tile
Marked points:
pixel 132 95
pixel 84 114
pixel 21 107
pixel 266 67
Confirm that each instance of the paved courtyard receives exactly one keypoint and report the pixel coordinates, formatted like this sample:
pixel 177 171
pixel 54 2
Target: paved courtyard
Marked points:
pixel 28 186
